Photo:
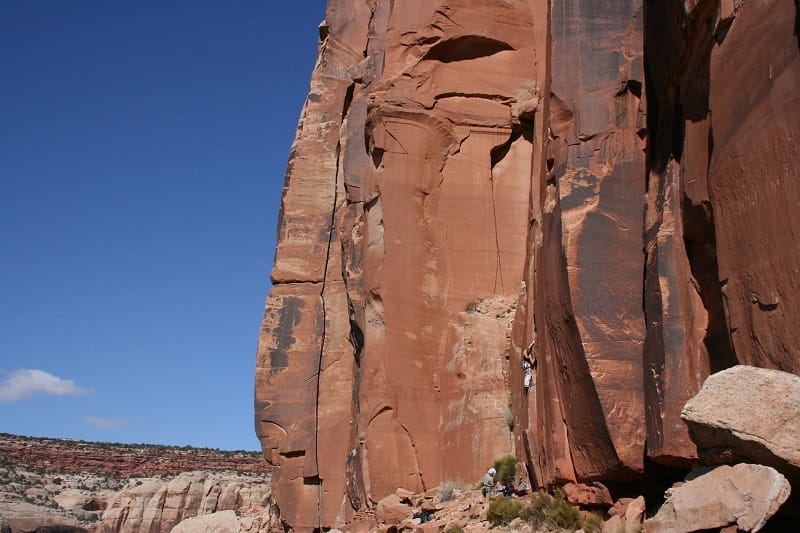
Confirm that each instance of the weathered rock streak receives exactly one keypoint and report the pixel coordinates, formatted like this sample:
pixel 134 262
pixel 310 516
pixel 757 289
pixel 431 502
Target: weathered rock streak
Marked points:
pixel 610 187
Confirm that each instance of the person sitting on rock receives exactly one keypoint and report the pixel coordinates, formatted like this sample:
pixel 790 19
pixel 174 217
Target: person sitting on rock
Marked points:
pixel 488 482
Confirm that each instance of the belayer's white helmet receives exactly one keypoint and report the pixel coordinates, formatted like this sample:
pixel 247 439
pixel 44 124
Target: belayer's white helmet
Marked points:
pixel 492 471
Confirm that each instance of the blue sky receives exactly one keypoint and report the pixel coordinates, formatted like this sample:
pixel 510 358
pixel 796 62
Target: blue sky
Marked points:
pixel 142 153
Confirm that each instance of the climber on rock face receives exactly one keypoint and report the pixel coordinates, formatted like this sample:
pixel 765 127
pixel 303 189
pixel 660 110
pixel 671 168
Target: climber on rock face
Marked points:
pixel 528 366
pixel 488 482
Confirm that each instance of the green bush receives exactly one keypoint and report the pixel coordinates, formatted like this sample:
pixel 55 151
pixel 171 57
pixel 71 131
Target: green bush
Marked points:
pixel 536 512
pixel 502 511
pixel 454 528
pixel 506 468
pixel 562 515
pixel 552 512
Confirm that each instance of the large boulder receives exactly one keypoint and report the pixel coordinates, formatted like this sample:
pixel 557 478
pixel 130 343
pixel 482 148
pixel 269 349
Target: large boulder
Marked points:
pixel 744 495
pixel 224 522
pixel 625 516
pixel 391 510
pixel 748 414
pixel 221 522
pixel 593 494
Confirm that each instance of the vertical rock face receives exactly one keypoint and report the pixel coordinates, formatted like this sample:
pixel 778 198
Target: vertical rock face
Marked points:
pixel 474 182
pixel 584 315
pixel 722 200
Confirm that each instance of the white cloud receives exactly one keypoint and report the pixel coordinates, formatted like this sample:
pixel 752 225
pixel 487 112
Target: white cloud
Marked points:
pixel 27 382
pixel 105 423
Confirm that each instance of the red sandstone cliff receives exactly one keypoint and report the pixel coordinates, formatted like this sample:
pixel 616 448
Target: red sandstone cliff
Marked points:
pixel 612 184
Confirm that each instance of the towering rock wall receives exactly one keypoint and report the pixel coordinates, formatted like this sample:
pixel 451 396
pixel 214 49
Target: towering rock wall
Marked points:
pixel 607 188
pixel 721 215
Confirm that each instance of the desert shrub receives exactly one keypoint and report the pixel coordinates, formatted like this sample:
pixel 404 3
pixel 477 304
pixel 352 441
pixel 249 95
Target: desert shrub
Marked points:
pixel 536 511
pixel 562 515
pixel 506 468
pixel 446 489
pixel 454 528
pixel 592 523
pixel 553 512
pixel 502 511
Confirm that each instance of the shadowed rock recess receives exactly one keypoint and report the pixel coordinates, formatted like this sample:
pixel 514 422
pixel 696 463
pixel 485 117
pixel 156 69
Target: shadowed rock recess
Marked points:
pixel 612 187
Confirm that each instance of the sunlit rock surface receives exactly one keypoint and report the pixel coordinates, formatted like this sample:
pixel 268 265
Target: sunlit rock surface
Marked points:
pixel 609 187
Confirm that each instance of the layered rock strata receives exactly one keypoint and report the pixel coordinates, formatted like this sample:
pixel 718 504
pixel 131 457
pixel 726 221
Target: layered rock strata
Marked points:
pixel 137 496
pixel 122 460
pixel 474 183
